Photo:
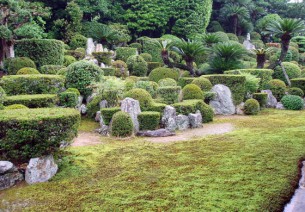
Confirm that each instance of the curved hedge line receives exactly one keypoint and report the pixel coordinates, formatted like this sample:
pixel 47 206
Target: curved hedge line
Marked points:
pixel 33 101
pixel 30 133
pixel 32 84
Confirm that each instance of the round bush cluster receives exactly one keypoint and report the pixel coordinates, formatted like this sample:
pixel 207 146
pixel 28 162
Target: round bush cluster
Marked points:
pixel 251 107
pixel 293 71
pixel 293 102
pixel 2 97
pixel 148 86
pixel 296 92
pixel 167 82
pixel 161 73
pixel 50 69
pixel 78 41
pixel 121 68
pixel 278 88
pixel 68 60
pixel 192 91
pixel 121 125
pixel 62 72
pixel 17 63
pixel 147 57
pixel 81 74
pixel 142 96
pixel 15 107
pixel 203 83
pixel 137 65
pixel 138 46
pixel 27 71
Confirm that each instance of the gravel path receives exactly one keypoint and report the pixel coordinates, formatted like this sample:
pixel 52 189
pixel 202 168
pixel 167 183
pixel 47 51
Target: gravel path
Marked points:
pixel 87 139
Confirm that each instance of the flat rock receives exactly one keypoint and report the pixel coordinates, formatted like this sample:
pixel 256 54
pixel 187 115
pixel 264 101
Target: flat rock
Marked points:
pixel 10 179
pixel 223 102
pixel 271 100
pixel 156 133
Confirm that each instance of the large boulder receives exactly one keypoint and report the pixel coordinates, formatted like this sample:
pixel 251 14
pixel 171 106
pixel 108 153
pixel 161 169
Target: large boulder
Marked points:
pixel 168 119
pixel 156 133
pixel 223 102
pixel 9 175
pixel 195 119
pixel 182 122
pixel 132 107
pixel 40 169
pixel 271 100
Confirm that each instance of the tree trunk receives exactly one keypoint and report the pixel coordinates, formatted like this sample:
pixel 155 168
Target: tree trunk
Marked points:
pixel 235 22
pixel 2 53
pixel 285 74
pixel 189 63
pixel 165 58
pixel 285 46
pixel 260 59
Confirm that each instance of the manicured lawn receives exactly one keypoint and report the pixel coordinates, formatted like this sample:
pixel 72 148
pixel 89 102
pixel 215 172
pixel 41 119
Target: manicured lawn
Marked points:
pixel 253 168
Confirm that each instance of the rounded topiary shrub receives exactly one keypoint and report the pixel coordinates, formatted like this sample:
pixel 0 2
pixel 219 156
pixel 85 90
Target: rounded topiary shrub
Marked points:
pixel 81 74
pixel 123 53
pixel 137 65
pixel 121 125
pixel 161 73
pixel 17 63
pixel 203 83
pixel 296 92
pixel 147 57
pixel 50 69
pixel 121 68
pixel 167 82
pixel 142 96
pixel 149 120
pixel 278 88
pixel 68 60
pixel 251 107
pixel 2 97
pixel 15 107
pixel 293 102
pixel 192 91
pixel 293 71
pixel 78 41
pixel 68 99
pixel 27 71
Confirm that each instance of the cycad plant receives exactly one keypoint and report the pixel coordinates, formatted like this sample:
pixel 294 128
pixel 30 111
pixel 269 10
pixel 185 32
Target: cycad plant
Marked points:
pixel 210 39
pixel 261 56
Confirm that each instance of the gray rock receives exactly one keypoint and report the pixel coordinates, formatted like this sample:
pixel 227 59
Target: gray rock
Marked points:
pixel 40 169
pixel 182 122
pixel 102 123
pixel 99 48
pixel 104 130
pixel 5 166
pixel 103 104
pixel 10 178
pixel 168 118
pixel 98 116
pixel 80 101
pixel 90 98
pixel 240 109
pixel 132 107
pixel 271 100
pixel 83 109
pixel 156 133
pixel 171 124
pixel 223 102
pixel 280 106
pixel 195 119
pixel 90 46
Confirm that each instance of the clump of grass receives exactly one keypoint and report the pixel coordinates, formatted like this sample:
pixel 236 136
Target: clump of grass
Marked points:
pixel 88 125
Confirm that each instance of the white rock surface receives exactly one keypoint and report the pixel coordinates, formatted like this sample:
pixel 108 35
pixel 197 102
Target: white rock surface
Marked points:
pixel 223 102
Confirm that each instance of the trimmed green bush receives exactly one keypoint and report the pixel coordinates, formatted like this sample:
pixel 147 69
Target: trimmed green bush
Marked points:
pixel 192 91
pixel 149 86
pixel 278 88
pixel 204 84
pixel 62 72
pixel 2 97
pixel 142 96
pixel 81 74
pixel 108 113
pixel 73 90
pixel 298 83
pixel 94 105
pixel 167 82
pixel 236 84
pixel 41 51
pixel 149 120
pixel 138 46
pixel 208 96
pixel 261 98
pixel 137 66
pixel 293 71
pixel 191 106
pixel 161 73
pixel 293 102
pixel 121 125
pixel 78 53
pixel 68 99
pixel 158 107
pixel 103 57
pixel 251 107
pixel 32 84
pixel 17 63
pixel 169 94
pixel 78 41
pixel 153 65
pixel 31 133
pixel 147 57
pixel 232 37
pixel 183 81
pixel 50 69
pixel 68 60
pixel 123 53
pixel 109 71
pixel 296 92
pixel 33 101
pixel 27 71
pixel 15 107
pixel 150 48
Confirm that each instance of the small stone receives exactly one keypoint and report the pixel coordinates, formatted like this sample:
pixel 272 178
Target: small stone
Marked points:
pixel 195 119
pixel 280 106
pixel 223 102
pixel 99 48
pixel 156 133
pixel 182 122
pixel 83 109
pixel 5 166
pixel 240 109
pixel 98 116
pixel 10 179
pixel 271 100
pixel 104 130
pixel 103 104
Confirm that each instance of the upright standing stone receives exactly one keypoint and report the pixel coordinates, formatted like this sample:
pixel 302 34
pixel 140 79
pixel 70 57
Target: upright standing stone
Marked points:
pixel 103 104
pixel 271 100
pixel 9 175
pixel 168 119
pixel 195 119
pixel 182 122
pixel 132 107
pixel 99 48
pixel 90 46
pixel 247 44
pixel 223 102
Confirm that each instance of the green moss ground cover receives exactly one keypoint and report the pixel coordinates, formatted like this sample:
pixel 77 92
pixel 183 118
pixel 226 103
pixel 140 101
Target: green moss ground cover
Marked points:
pixel 253 168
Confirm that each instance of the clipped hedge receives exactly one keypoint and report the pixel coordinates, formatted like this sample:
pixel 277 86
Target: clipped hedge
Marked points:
pixel 192 91
pixel 298 83
pixel 262 99
pixel 150 48
pixel 27 71
pixel 293 102
pixel 68 60
pixel 108 113
pixel 31 133
pixel 123 53
pixel 161 73
pixel 33 101
pixel 167 82
pixel 236 84
pixel 51 69
pixel 278 88
pixel 15 107
pixel 103 57
pixel 296 91
pixel 251 107
pixel 153 65
pixel 137 66
pixel 41 51
pixel 17 63
pixel 203 83
pixel 183 81
pixel 169 94
pixel 109 71
pixel 68 99
pixel 121 125
pixel 32 84
pixel 2 97
pixel 142 96
pixel 158 107
pixel 149 120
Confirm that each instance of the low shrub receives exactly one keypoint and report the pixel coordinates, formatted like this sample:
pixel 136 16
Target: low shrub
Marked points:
pixel 158 107
pixel 2 97
pixel 169 94
pixel 68 60
pixel 296 92
pixel 147 57
pixel 262 99
pixel 62 72
pixel 33 101
pixel 103 57
pixel 32 133
pixel 94 105
pixel 167 82
pixel 203 83
pixel 123 53
pixel 121 125
pixel 78 41
pixel 251 107
pixel 138 46
pixel 183 81
pixel 137 66
pixel 208 96
pixel 153 65
pixel 149 120
pixel 50 69
pixel 298 83
pixel 192 91
pixel 109 71
pixel 150 47
pixel 293 102
pixel 149 86
pixel 142 96
pixel 78 53
pixel 32 84
pixel 17 63
pixel 278 88
pixel 121 68
pixel 161 73
pixel 108 113
pixel 293 71
pixel 73 90
pixel 68 99
pixel 27 71
pixel 15 107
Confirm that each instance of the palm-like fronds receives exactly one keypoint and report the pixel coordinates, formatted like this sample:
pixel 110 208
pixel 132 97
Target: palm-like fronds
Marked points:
pixel 229 50
pixel 231 9
pixel 261 51
pixel 189 49
pixel 285 26
pixel 162 45
pixel 210 39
